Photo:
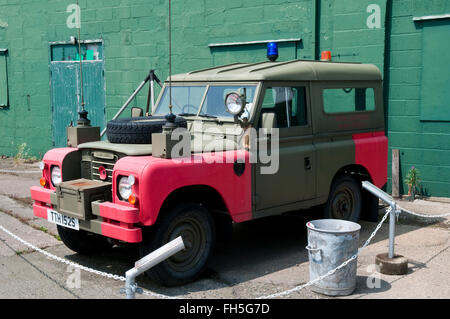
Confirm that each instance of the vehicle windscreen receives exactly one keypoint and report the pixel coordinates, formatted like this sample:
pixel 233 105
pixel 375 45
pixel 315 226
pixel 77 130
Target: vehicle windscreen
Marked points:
pixel 214 104
pixel 185 100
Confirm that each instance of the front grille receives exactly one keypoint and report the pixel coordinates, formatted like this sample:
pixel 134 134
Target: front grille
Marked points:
pixel 92 161
pixel 108 165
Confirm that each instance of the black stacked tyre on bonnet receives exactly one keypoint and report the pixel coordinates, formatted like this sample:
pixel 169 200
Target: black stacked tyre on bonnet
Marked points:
pixel 137 130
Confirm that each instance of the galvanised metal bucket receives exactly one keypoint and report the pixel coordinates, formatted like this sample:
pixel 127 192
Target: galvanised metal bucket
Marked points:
pixel 330 243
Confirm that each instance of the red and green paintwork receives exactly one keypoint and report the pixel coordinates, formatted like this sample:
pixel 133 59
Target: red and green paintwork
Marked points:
pixel 355 141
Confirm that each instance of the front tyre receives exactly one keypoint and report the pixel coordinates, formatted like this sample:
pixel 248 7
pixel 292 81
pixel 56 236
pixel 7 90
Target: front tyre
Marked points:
pixel 195 225
pixel 345 200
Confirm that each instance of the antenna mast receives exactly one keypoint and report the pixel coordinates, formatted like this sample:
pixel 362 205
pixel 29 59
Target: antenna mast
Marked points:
pixel 80 56
pixel 170 58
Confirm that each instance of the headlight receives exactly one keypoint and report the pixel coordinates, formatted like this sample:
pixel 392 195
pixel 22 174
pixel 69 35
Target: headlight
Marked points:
pixel 124 188
pixel 56 175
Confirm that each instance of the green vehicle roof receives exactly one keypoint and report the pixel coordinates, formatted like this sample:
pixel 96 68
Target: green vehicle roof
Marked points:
pixel 295 70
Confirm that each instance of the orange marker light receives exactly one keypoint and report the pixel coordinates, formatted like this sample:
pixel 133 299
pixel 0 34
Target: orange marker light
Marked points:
pixel 132 199
pixel 325 56
pixel 42 181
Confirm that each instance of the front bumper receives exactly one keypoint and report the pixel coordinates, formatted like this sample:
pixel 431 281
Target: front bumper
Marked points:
pixel 110 220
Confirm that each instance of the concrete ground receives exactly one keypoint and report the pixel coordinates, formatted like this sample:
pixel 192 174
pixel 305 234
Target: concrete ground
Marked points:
pixel 264 256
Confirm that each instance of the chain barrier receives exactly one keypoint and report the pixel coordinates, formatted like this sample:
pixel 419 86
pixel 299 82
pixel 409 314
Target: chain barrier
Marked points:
pixel 73 264
pixel 62 260
pixel 331 272
pixel 8 171
pixel 275 295
pixel 422 215
pixel 154 294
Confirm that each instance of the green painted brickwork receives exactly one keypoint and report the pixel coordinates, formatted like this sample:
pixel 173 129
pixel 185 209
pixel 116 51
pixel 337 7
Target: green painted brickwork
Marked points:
pixel 423 144
pixel 135 39
pixel 343 30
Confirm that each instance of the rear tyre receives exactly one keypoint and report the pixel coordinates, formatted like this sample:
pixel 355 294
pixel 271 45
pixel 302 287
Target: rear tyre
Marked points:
pixel 345 200
pixel 82 242
pixel 370 207
pixel 195 225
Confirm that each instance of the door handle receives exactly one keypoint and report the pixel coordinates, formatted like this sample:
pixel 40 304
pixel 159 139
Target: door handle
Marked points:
pixel 307 163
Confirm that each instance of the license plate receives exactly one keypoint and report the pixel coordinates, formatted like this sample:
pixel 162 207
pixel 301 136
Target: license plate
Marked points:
pixel 70 222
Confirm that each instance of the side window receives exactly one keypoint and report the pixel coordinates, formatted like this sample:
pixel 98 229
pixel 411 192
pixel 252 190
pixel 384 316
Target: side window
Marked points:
pixel 286 106
pixel 298 107
pixel 342 100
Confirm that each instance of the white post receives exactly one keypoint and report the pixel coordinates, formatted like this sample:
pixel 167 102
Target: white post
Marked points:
pixel 152 94
pixel 149 261
pixel 392 230
pixel 389 200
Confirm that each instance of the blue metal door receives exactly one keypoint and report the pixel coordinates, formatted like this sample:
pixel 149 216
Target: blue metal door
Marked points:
pixel 66 91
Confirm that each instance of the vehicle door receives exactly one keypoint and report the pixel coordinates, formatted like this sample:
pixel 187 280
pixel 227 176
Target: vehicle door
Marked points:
pixel 285 109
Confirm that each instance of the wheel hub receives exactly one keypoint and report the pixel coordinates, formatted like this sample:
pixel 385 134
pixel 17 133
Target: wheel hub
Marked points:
pixel 194 241
pixel 343 204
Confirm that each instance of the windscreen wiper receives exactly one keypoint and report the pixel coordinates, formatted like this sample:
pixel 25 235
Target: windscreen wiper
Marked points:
pixel 187 114
pixel 208 116
pixel 211 117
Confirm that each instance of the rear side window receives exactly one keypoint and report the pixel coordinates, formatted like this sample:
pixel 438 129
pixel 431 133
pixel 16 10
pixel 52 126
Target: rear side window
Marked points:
pixel 343 100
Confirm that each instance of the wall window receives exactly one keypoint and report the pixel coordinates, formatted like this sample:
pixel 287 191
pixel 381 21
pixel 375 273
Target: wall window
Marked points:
pixel 343 100
pixel 3 79
pixel 288 104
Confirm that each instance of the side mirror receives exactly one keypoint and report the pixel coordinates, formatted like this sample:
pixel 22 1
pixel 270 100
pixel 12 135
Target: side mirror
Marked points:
pixel 136 112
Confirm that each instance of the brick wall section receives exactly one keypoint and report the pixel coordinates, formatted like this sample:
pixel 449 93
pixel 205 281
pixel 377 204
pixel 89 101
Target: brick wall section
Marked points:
pixel 27 63
pixel 424 145
pixel 135 40
pixel 344 31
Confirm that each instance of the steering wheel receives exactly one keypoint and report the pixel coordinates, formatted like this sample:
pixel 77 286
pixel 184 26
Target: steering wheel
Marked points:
pixel 186 107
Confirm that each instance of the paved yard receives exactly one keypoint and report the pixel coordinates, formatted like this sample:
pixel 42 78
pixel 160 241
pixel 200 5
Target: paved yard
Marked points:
pixel 264 256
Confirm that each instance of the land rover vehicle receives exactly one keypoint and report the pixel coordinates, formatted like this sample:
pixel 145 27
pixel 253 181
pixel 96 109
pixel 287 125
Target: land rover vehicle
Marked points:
pixel 327 119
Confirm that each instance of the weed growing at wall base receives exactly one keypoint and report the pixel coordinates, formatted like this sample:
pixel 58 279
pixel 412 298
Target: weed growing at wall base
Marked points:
pixel 23 154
